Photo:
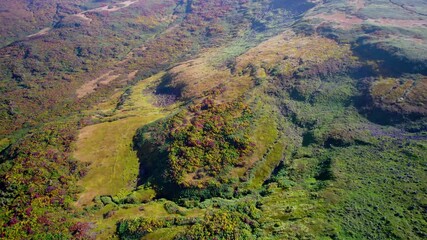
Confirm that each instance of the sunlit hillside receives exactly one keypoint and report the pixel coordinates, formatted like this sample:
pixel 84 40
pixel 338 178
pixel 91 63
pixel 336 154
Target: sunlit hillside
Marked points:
pixel 219 119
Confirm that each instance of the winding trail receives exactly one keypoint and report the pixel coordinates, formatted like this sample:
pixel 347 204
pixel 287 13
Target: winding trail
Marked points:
pixel 108 8
pixel 42 32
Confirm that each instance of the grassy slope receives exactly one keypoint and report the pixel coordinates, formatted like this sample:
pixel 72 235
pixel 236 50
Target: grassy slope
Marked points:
pixel 364 187
pixel 107 146
pixel 369 189
pixel 105 227
pixel 321 191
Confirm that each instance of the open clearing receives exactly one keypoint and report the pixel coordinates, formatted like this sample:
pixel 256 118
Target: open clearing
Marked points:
pixel 90 86
pixel 107 146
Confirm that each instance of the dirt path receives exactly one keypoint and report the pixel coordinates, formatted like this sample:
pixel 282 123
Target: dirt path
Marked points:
pixel 42 32
pixel 108 8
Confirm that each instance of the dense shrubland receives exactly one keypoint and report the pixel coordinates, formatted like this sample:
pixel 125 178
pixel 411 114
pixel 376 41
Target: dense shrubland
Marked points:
pixel 41 74
pixel 38 185
pixel 283 148
pixel 224 221
pixel 199 143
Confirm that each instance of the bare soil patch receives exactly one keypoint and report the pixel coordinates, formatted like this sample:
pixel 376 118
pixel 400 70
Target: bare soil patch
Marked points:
pixel 42 32
pixel 90 86
pixel 344 21
pixel 109 8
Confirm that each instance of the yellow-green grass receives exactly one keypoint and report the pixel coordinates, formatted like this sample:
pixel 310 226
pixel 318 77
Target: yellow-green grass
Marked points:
pixel 4 143
pixel 292 213
pixel 264 135
pixel 274 146
pixel 203 74
pixel 288 50
pixel 409 95
pixel 396 91
pixel 265 167
pixel 419 93
pixel 107 146
pixel 165 233
pixel 383 87
pixel 105 227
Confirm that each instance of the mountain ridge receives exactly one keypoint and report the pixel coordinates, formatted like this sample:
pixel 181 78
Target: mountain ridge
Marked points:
pixel 272 119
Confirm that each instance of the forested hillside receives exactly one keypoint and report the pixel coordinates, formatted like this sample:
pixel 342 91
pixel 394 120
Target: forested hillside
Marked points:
pixel 220 119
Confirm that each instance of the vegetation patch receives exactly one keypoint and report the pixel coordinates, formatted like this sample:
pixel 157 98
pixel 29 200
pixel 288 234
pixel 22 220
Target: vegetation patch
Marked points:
pixel 213 119
pixel 107 146
pixel 202 146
